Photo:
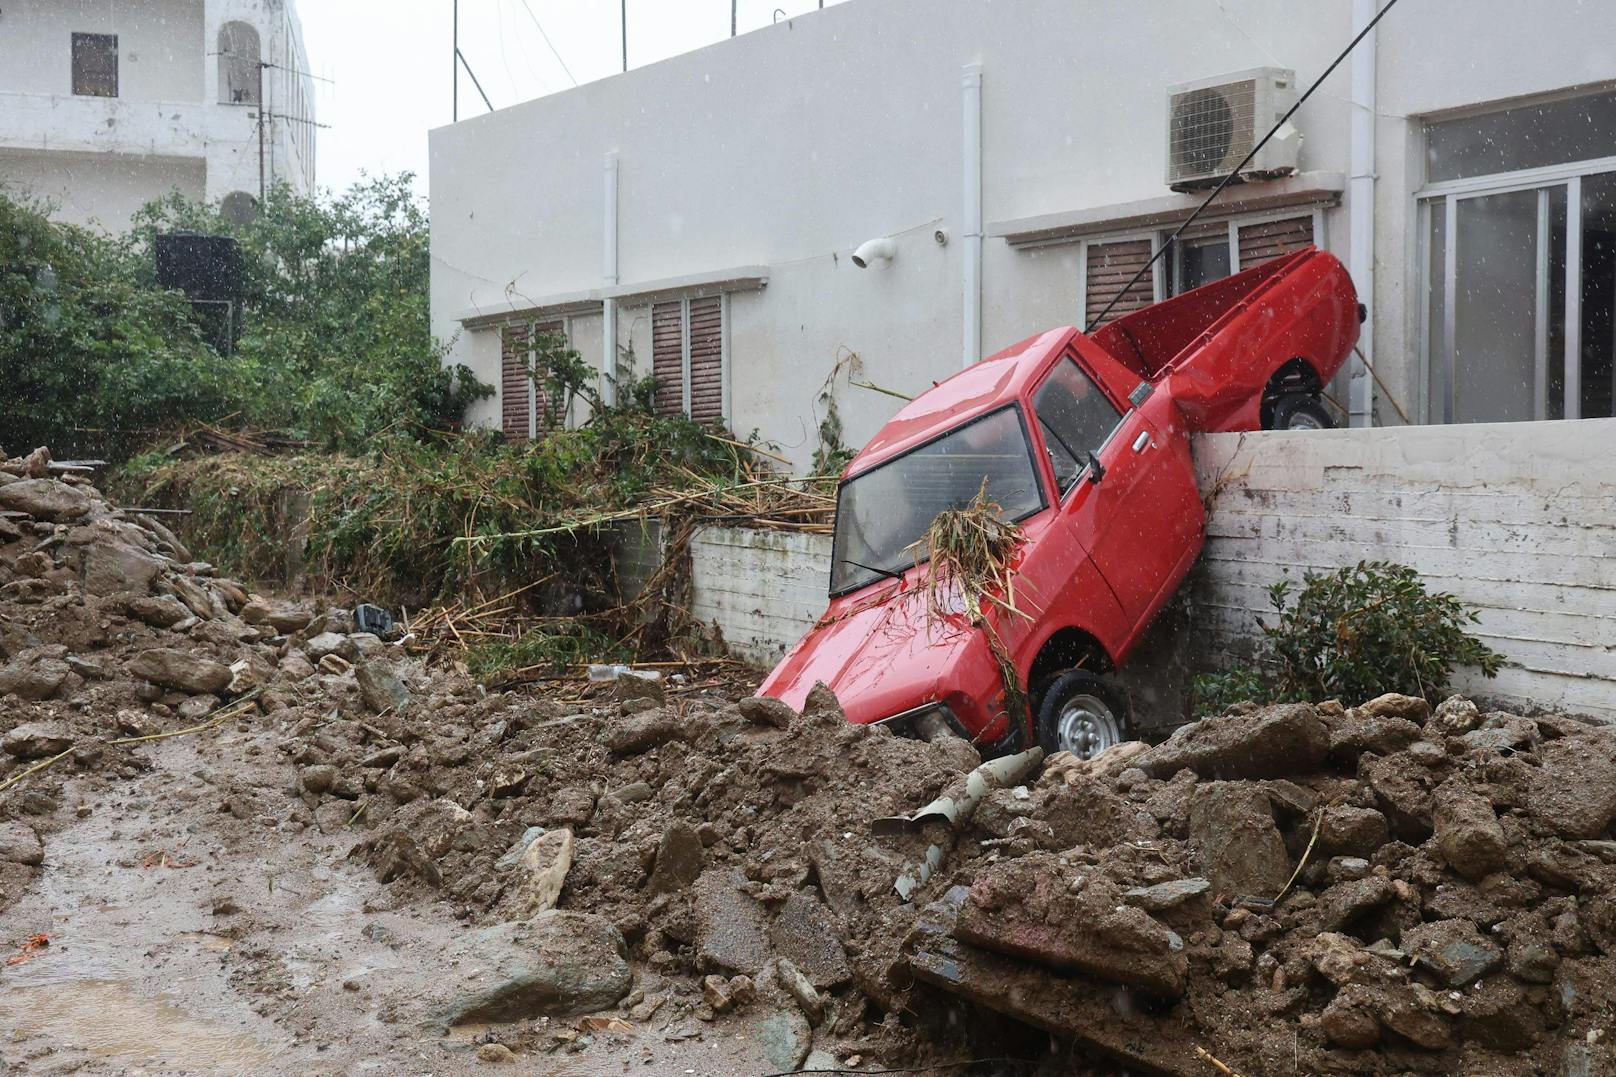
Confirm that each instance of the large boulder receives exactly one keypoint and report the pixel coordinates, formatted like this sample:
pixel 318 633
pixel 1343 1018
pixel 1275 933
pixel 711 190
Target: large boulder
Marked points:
pixel 46 499
pixel 558 964
pixel 1271 743
pixel 182 671
pixel 1576 794
pixel 111 567
pixel 33 680
pixel 36 740
pixel 381 687
pixel 1242 851
pixel 283 617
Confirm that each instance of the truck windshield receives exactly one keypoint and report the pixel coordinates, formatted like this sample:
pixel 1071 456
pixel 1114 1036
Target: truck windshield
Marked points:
pixel 883 512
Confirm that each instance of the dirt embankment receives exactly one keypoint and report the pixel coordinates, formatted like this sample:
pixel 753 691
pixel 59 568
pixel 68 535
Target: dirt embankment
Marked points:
pixel 362 860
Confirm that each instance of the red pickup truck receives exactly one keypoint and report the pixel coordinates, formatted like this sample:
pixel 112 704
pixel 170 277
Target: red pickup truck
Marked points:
pixel 1083 441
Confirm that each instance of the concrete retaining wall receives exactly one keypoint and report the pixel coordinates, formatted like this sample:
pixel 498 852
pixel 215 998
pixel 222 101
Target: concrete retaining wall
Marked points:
pixel 1518 520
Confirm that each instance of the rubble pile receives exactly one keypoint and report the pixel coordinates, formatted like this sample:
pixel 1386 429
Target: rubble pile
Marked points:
pixel 1299 888
pixel 1303 889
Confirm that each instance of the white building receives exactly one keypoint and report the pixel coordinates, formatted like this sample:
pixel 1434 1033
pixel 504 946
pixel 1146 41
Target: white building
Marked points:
pixel 108 104
pixel 699 213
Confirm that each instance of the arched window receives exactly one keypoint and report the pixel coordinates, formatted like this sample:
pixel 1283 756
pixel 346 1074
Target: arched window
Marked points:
pixel 241 75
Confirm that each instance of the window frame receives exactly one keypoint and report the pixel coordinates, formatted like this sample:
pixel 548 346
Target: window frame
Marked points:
pixel 86 37
pixel 1032 460
pixel 1448 194
pixel 1122 416
pixel 1164 272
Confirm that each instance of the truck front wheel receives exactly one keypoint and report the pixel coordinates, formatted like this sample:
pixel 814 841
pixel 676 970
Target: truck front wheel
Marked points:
pixel 1301 411
pixel 1080 712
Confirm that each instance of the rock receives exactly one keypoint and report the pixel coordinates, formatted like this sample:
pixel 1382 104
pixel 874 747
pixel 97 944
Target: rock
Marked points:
pixel 283 617
pixel 541 872
pixel 1504 733
pixel 1453 949
pixel 786 1038
pixel 1497 1015
pixel 1356 732
pixel 296 666
pixel 335 664
pixel 715 992
pixel 1346 868
pixel 111 567
pixel 1067 768
pixel 1455 716
pixel 159 611
pixel 514 853
pixel 496 1053
pixel 1025 908
pixel 799 988
pixel 1402 793
pixel 1393 705
pixel 19 844
pixel 1352 831
pixel 1575 796
pixel 327 643
pixel 633 685
pixel 318 778
pixel 1412 1013
pixel 380 686
pixel 46 499
pixel 1349 1020
pixel 1242 852
pixel 558 964
pixel 36 465
pixel 804 935
pixel 1272 743
pixel 37 740
pixel 1468 833
pixel 33 680
pixel 763 710
pixel 1344 902
pixel 1164 896
pixel 641 732
pixel 732 929
pixel 822 707
pixel 183 671
pixel 679 859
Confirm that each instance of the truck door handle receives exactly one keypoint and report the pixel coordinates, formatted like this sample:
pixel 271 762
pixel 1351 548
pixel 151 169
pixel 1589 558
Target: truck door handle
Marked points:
pixel 1142 442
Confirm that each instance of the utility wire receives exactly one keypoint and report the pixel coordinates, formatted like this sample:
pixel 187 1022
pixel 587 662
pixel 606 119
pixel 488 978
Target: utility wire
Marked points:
pixel 1230 178
pixel 547 41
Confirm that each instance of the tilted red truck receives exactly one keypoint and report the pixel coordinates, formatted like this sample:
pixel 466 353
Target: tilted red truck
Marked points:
pixel 1085 442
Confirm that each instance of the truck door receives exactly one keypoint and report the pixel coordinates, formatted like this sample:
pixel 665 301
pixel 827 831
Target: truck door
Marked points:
pixel 1126 485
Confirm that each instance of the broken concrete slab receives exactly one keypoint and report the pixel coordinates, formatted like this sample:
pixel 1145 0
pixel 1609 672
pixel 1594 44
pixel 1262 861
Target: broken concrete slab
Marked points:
pixel 1274 742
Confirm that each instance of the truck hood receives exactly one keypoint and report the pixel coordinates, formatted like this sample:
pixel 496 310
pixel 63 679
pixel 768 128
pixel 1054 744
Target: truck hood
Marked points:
pixel 881 655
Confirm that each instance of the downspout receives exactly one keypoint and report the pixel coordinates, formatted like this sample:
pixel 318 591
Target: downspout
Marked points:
pixel 1361 210
pixel 608 306
pixel 971 218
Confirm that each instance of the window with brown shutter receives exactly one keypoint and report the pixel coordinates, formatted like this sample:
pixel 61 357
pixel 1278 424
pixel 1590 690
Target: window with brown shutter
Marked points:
pixel 1110 267
pixel 525 409
pixel 1260 243
pixel 706 358
pixel 687 357
pixel 515 387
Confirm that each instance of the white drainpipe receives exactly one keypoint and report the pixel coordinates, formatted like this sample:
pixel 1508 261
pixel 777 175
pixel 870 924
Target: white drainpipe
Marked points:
pixel 608 307
pixel 1361 209
pixel 971 100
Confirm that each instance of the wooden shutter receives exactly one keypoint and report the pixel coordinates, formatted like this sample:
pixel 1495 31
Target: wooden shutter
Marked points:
pixel 544 418
pixel 1261 242
pixel 706 358
pixel 515 387
pixel 1110 267
pixel 668 356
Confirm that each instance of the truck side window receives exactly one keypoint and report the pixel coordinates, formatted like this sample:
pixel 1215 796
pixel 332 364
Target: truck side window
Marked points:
pixel 1075 418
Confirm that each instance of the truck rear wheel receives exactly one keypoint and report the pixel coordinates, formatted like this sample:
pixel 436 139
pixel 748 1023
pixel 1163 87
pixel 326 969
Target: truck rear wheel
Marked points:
pixel 1298 411
pixel 1082 713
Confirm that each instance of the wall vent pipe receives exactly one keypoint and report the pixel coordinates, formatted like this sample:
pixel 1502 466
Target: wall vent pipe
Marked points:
pixel 971 215
pixel 1361 210
pixel 608 307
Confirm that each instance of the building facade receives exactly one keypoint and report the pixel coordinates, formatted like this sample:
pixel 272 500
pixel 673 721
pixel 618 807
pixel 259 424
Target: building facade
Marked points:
pixel 697 218
pixel 108 104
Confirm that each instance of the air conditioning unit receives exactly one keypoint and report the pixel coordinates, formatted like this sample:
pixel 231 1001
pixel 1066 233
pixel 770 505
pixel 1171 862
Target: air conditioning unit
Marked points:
pixel 1213 123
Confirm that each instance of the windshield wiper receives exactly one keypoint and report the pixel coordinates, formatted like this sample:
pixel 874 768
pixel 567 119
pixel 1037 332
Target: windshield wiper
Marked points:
pixel 886 573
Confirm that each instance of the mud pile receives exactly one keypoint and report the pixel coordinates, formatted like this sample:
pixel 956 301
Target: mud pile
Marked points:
pixel 1304 889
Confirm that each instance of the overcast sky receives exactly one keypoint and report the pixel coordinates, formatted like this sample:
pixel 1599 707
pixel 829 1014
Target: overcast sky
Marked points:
pixel 388 62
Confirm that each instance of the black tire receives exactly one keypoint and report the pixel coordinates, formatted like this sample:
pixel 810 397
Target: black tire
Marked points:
pixel 1082 713
pixel 1296 411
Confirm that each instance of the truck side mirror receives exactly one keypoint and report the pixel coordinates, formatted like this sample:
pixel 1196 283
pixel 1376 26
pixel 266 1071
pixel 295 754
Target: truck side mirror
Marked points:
pixel 1096 470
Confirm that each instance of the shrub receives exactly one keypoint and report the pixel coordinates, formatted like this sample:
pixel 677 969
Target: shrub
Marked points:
pixel 1358 632
pixel 1214 693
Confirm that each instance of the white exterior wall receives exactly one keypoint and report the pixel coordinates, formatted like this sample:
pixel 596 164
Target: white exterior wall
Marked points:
pixel 788 146
pixel 1516 519
pixel 1511 518
pixel 99 158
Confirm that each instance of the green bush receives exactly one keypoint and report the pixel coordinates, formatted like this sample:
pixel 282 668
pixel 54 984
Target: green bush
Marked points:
pixel 1358 632
pixel 1214 693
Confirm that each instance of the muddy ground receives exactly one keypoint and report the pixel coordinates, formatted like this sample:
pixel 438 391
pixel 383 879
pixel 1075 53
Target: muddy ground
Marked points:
pixel 238 836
